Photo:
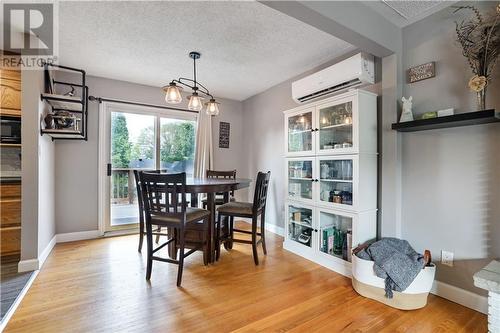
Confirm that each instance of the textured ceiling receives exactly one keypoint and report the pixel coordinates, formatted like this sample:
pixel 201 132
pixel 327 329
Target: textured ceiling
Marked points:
pixel 246 47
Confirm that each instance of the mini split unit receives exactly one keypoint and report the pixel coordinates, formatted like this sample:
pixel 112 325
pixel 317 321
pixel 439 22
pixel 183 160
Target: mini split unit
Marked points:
pixel 354 72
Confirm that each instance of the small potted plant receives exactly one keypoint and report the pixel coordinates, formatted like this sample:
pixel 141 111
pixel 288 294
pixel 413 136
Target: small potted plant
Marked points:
pixel 479 38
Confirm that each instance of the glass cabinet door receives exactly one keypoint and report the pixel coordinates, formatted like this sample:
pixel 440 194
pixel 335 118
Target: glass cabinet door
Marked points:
pixel 335 127
pixel 300 133
pixel 300 225
pixel 300 179
pixel 336 181
pixel 335 232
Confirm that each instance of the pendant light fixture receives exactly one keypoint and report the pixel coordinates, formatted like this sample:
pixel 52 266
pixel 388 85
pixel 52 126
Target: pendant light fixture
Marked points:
pixel 173 92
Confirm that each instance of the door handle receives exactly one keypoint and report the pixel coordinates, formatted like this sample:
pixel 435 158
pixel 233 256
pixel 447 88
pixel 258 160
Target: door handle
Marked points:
pixel 109 169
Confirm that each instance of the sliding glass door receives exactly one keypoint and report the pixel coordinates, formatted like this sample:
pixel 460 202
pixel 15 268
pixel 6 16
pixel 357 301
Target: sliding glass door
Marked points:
pixel 143 139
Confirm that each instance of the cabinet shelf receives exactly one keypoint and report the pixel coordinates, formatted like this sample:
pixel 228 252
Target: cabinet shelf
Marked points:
pixel 299 131
pixel 335 126
pixel 456 120
pixel 300 178
pixel 336 180
pixel 302 224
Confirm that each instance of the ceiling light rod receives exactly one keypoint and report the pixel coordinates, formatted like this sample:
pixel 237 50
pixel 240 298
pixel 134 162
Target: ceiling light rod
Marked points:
pixel 173 91
pixel 196 85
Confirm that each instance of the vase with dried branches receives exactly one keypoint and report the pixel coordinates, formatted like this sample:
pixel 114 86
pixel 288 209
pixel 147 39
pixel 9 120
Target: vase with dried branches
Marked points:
pixel 479 38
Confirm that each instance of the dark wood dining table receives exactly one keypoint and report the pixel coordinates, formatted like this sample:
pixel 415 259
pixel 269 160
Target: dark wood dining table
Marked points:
pixel 210 187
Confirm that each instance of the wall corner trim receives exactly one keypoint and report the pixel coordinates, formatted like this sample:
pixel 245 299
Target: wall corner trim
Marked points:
pixel 45 253
pixel 76 236
pixel 460 296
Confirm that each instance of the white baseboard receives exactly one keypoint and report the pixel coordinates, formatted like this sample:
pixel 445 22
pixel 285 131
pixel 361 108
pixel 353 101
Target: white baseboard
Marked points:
pixel 28 265
pixel 269 227
pixel 45 253
pixel 76 236
pixel 461 296
pixel 18 300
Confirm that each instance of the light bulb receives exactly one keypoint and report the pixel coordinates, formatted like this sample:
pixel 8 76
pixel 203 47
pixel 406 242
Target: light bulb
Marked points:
pixel 172 94
pixel 195 102
pixel 212 107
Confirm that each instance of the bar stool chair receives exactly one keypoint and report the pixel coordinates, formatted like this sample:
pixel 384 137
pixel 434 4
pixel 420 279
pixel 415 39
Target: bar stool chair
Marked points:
pixel 165 205
pixel 246 210
pixel 220 196
pixel 142 231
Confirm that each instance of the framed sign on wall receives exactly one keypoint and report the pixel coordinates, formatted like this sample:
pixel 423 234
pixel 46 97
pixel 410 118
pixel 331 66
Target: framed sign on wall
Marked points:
pixel 224 134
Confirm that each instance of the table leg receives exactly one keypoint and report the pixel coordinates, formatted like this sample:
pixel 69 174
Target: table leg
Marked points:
pixel 211 225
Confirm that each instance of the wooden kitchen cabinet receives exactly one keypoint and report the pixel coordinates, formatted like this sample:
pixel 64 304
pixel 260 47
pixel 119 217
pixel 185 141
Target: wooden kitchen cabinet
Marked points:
pixel 10 223
pixel 10 92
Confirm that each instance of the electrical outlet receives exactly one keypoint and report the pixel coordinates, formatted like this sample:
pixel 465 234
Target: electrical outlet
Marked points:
pixel 447 258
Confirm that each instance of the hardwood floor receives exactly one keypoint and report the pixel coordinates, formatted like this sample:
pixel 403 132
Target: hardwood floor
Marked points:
pixel 100 286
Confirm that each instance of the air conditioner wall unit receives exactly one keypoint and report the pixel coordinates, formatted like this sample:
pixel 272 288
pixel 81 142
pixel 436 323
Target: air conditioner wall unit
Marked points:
pixel 354 72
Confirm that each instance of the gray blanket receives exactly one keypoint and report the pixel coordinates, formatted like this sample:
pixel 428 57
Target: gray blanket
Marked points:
pixel 395 261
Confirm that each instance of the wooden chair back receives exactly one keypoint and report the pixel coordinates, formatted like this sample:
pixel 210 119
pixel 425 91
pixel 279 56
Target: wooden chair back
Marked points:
pixel 139 190
pixel 164 194
pixel 231 174
pixel 261 187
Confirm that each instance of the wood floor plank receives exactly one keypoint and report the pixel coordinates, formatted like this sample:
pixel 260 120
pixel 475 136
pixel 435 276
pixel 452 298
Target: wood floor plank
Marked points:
pixel 99 286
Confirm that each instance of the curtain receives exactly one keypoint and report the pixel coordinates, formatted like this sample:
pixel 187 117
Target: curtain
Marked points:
pixel 203 158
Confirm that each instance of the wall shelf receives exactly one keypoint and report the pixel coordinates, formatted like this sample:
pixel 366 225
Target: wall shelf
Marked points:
pixel 62 105
pixel 456 120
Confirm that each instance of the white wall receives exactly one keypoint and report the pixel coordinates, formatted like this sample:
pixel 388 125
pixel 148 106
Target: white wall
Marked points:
pixel 451 178
pixel 77 161
pixel 37 205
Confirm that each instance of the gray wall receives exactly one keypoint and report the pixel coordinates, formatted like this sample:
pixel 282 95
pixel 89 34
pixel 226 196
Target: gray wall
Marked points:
pixel 77 161
pixel 37 205
pixel 450 177
pixel 263 138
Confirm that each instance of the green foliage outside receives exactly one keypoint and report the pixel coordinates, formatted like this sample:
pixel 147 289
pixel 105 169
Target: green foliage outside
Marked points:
pixel 120 145
pixel 177 142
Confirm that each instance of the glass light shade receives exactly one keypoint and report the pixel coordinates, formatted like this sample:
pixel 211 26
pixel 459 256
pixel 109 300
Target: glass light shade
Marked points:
pixel 195 102
pixel 212 107
pixel 173 94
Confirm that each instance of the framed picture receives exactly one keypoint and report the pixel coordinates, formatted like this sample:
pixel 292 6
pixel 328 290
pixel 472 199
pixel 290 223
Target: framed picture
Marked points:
pixel 421 72
pixel 224 134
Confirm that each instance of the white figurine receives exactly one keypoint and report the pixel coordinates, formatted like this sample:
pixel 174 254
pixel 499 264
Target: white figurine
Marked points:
pixel 406 115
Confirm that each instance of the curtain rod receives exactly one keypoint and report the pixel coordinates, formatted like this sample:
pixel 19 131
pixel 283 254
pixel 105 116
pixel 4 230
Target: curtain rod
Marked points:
pixel 103 99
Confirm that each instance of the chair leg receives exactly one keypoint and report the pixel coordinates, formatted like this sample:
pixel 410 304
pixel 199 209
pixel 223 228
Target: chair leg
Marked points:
pixel 141 234
pixel 254 240
pixel 205 244
pixel 149 240
pixel 263 231
pixel 218 236
pixel 181 234
pixel 158 236
pixel 231 232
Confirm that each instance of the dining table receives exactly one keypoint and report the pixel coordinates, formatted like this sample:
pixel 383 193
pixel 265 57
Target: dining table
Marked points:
pixel 210 187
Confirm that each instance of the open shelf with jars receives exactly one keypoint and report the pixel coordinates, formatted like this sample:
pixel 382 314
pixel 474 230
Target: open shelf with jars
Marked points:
pixel 331 184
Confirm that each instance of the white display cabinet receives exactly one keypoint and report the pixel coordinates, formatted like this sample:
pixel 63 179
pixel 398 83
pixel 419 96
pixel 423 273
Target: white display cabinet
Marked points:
pixel 343 124
pixel 327 236
pixel 331 177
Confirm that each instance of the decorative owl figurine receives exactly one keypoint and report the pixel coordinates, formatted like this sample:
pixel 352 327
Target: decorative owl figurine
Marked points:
pixel 406 115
